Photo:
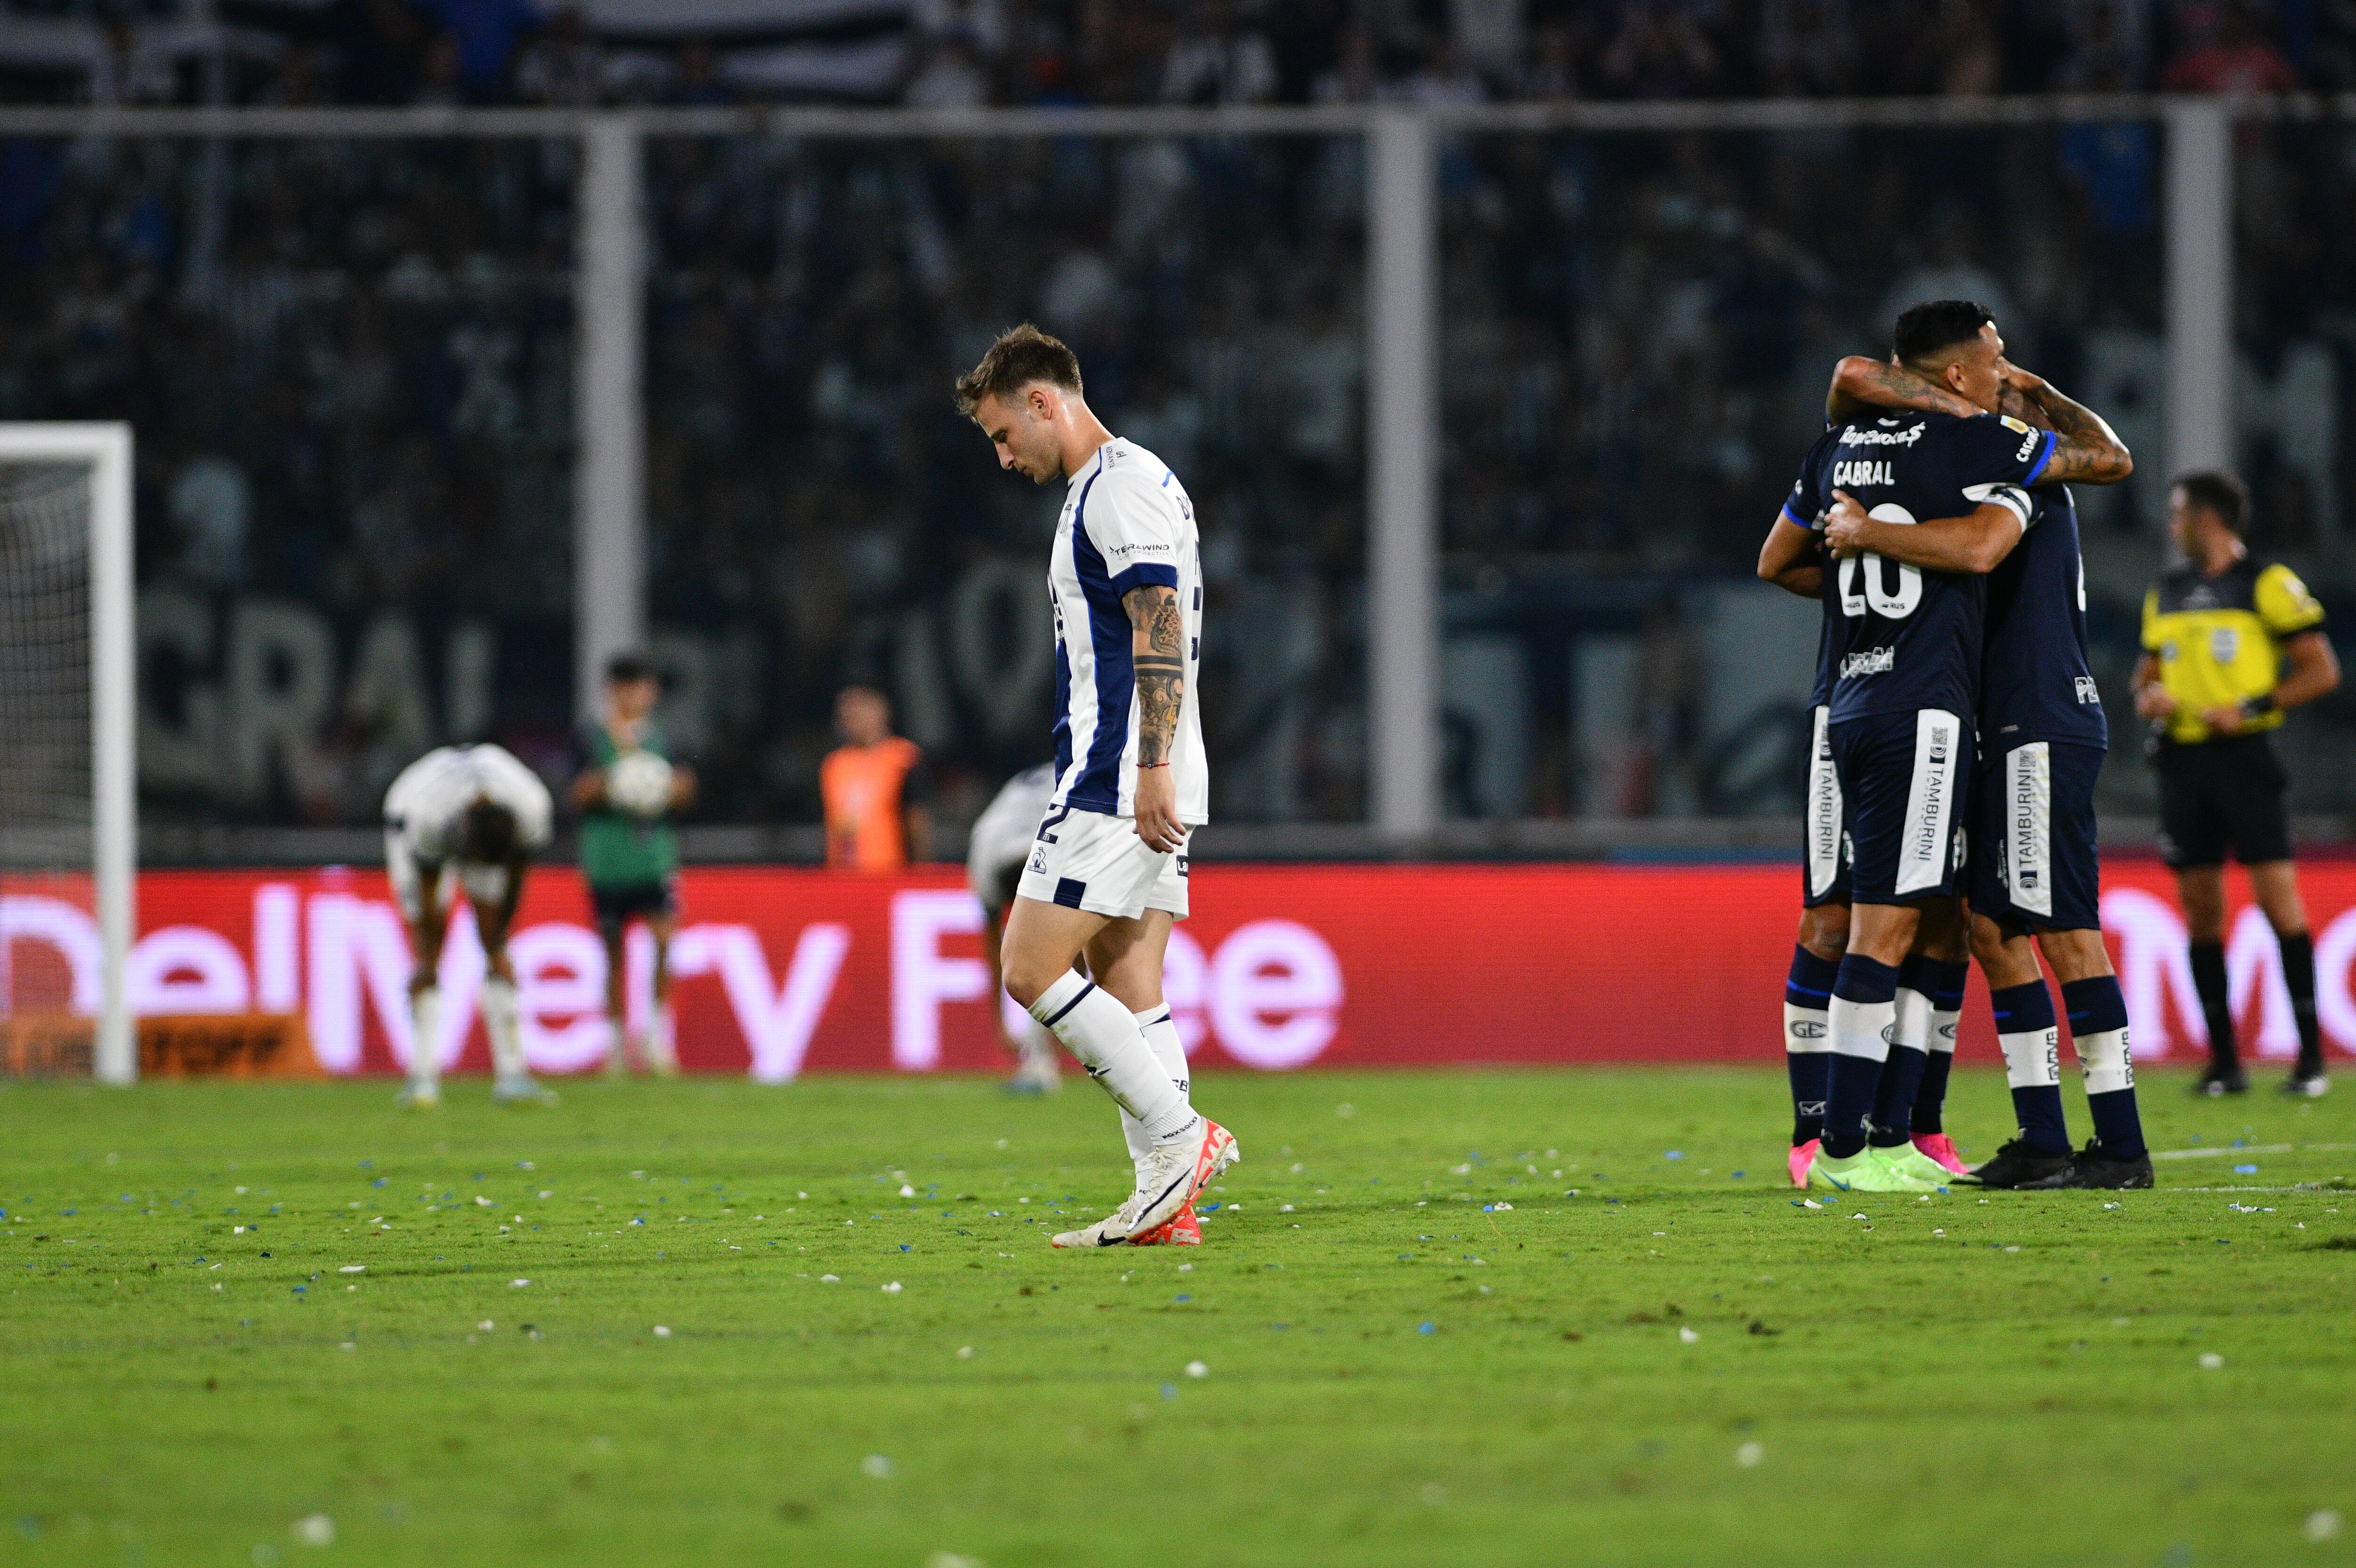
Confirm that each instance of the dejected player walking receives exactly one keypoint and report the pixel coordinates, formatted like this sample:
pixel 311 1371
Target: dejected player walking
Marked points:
pixel 1107 874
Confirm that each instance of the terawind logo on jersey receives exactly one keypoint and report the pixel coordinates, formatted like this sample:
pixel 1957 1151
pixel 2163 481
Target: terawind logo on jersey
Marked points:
pixel 1873 661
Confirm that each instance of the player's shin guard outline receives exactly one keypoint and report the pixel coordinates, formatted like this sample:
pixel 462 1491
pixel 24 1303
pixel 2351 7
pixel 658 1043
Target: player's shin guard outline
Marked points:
pixel 502 1021
pixel 426 1036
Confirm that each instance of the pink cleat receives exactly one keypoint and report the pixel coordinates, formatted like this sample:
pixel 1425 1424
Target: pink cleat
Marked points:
pixel 1803 1156
pixel 1940 1147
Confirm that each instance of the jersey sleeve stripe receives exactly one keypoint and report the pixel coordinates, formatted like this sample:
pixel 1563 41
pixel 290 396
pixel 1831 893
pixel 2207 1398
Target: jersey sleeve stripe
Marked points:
pixel 1796 520
pixel 1147 574
pixel 2043 457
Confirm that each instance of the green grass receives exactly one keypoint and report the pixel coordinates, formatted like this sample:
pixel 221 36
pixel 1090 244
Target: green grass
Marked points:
pixel 1397 1372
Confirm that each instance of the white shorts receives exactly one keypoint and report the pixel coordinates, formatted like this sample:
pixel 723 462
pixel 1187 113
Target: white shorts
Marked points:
pixel 409 872
pixel 1089 861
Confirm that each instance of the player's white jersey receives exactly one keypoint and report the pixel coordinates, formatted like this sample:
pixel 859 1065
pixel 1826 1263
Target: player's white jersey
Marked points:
pixel 1003 833
pixel 427 804
pixel 1126 524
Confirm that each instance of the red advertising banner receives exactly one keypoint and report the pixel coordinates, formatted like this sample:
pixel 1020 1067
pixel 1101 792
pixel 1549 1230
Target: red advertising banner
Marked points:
pixel 786 971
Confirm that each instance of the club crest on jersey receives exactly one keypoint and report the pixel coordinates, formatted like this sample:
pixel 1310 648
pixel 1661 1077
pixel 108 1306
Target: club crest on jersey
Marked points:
pixel 1863 472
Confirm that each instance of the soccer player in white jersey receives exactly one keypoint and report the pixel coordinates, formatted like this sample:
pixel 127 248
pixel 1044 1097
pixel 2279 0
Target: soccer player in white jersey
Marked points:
pixel 471 816
pixel 995 854
pixel 1107 870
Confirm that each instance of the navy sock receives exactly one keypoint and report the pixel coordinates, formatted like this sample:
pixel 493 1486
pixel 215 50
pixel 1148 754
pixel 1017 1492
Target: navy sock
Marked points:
pixel 2299 978
pixel 2098 1028
pixel 1864 993
pixel 1910 1046
pixel 1808 1048
pixel 2024 1023
pixel 2216 1002
pixel 1947 1007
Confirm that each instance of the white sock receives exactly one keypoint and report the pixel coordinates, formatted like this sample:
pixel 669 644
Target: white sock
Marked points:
pixel 662 1048
pixel 1161 1032
pixel 1099 1032
pixel 2033 1058
pixel 1943 1024
pixel 426 1036
pixel 1862 1028
pixel 2104 1056
pixel 506 1030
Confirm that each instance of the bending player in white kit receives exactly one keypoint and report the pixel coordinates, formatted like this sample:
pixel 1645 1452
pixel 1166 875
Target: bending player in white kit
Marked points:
pixel 1107 870
pixel 994 857
pixel 472 815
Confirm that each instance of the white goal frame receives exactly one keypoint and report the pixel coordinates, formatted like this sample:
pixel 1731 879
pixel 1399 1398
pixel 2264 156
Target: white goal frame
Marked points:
pixel 114 814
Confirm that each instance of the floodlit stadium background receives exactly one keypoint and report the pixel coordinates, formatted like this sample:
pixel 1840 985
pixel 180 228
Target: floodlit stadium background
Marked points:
pixel 1487 338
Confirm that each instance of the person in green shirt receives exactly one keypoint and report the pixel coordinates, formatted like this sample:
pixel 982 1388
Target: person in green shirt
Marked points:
pixel 625 786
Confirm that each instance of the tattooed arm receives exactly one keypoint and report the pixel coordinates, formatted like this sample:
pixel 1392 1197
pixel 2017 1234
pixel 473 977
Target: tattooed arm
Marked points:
pixel 1859 383
pixel 1157 647
pixel 2089 449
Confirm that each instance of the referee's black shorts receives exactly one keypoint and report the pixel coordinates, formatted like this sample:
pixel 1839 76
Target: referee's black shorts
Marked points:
pixel 2222 795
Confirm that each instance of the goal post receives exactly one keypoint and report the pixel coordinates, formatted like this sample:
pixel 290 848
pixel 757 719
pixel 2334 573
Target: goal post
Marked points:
pixel 69 803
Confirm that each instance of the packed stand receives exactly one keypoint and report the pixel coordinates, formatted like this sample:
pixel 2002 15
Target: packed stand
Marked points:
pixel 815 497
pixel 954 54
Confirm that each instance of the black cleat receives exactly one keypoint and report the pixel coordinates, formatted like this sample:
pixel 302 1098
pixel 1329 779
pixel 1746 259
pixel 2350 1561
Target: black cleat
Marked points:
pixel 2095 1168
pixel 2017 1165
pixel 2221 1078
pixel 2307 1082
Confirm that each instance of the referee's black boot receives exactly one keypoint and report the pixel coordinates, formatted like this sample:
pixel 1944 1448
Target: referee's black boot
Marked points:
pixel 2307 1081
pixel 2222 1077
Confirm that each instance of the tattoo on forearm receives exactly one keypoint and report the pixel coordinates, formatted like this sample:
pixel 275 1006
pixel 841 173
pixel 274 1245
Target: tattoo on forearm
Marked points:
pixel 2088 449
pixel 1907 390
pixel 1160 671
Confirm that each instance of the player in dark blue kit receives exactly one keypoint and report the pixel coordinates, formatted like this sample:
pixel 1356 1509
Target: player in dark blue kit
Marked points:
pixel 1907 645
pixel 2035 870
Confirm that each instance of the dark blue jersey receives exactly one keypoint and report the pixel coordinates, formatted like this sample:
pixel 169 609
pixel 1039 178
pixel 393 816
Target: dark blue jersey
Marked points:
pixel 1904 638
pixel 2035 684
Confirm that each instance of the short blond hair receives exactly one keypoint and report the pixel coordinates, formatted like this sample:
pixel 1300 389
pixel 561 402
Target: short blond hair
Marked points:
pixel 1021 357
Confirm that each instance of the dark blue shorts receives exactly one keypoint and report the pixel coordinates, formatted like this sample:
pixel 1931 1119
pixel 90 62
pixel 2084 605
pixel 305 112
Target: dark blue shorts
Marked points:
pixel 2034 861
pixel 1824 839
pixel 1904 780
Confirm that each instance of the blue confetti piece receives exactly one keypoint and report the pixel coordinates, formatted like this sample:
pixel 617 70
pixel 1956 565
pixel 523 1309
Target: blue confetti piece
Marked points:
pixel 1170 1391
pixel 1212 1207
pixel 380 1181
pixel 2245 1170
pixel 903 1246
pixel 1738 1176
pixel 1426 1327
pixel 300 1288
pixel 1674 1153
pixel 1185 1298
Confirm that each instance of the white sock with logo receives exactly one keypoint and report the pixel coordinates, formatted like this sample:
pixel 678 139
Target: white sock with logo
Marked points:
pixel 501 1022
pixel 1096 1028
pixel 425 1037
pixel 1161 1032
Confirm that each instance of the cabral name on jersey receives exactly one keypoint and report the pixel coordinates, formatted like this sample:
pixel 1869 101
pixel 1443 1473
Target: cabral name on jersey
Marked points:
pixel 1862 474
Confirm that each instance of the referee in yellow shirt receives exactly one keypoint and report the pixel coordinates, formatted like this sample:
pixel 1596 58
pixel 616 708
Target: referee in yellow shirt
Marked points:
pixel 2229 643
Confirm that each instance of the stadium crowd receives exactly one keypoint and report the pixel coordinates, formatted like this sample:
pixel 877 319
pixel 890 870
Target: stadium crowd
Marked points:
pixel 965 53
pixel 351 369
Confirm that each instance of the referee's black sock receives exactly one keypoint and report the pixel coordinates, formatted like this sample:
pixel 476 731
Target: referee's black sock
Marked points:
pixel 2216 1005
pixel 2299 978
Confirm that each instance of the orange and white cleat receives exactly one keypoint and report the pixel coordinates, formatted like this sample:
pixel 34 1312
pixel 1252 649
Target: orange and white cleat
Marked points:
pixel 1940 1149
pixel 1167 1180
pixel 1803 1156
pixel 1185 1230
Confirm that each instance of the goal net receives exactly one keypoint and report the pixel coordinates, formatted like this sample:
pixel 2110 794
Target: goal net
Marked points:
pixel 66 802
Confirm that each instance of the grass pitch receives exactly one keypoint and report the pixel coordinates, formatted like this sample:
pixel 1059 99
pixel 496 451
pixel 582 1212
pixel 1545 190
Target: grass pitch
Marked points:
pixel 822 1325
